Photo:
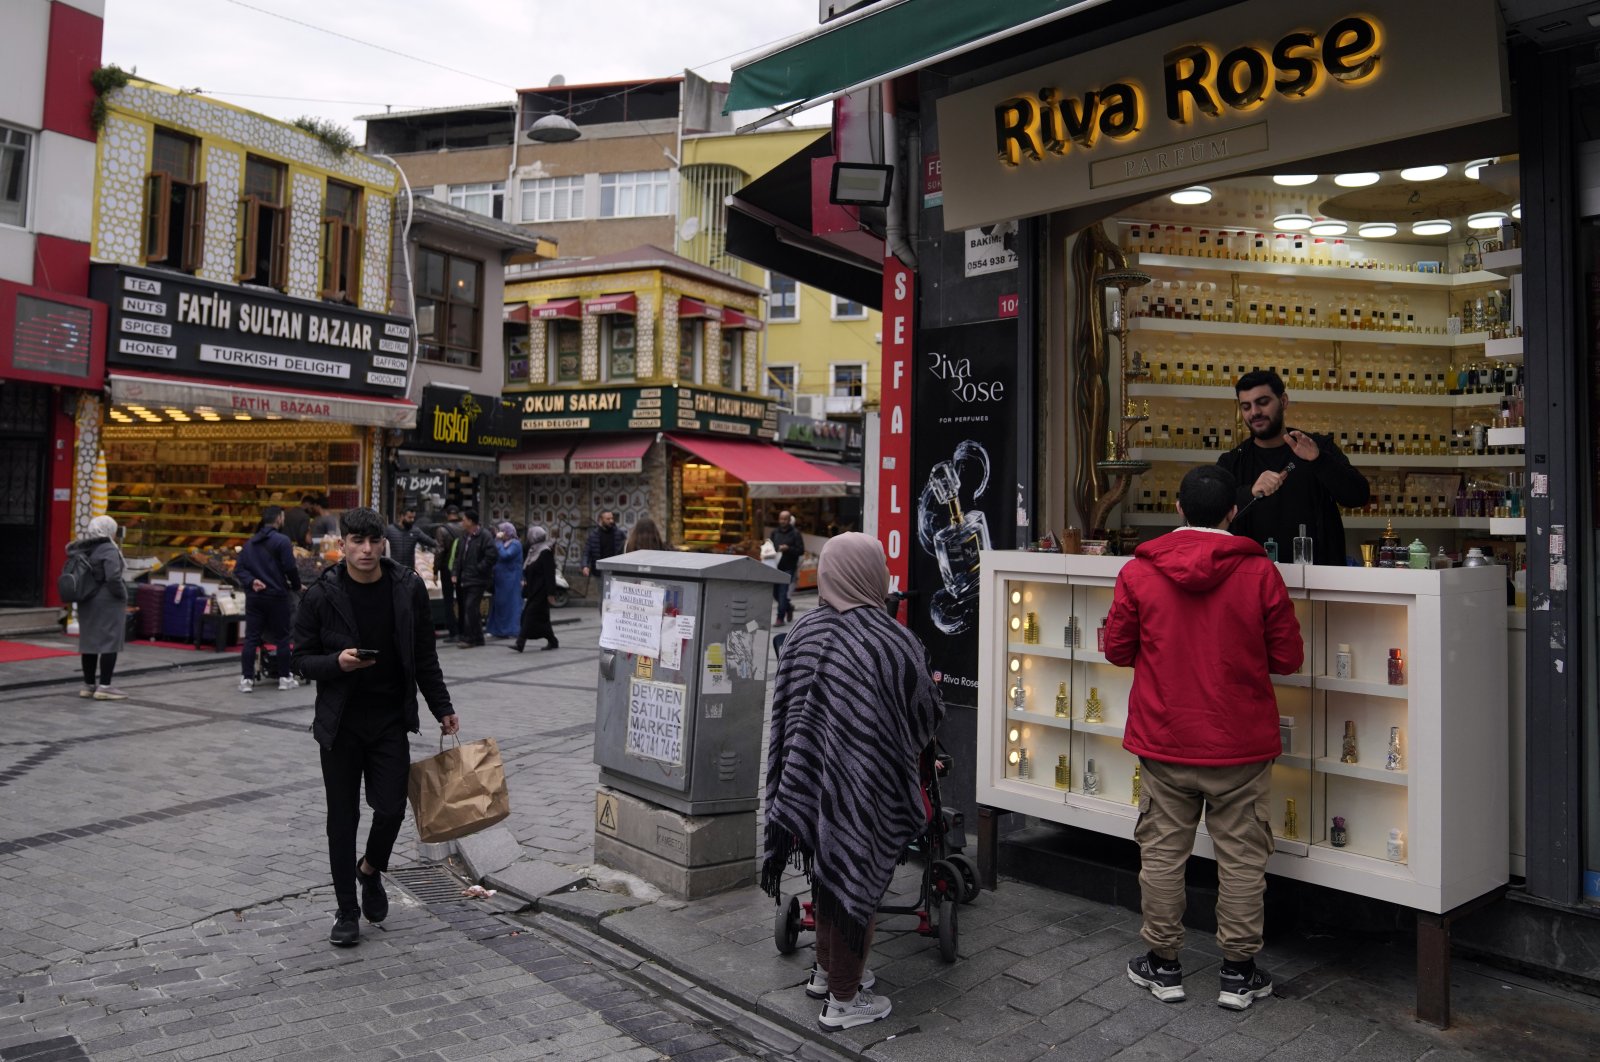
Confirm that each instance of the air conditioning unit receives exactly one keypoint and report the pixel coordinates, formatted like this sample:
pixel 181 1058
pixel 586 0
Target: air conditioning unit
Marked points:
pixel 813 406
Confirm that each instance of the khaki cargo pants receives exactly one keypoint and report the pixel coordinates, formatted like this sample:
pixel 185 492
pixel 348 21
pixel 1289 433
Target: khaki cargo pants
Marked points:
pixel 1238 817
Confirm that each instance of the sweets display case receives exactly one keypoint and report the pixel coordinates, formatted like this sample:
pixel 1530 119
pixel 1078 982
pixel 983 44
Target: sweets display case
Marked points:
pixel 1408 665
pixel 715 514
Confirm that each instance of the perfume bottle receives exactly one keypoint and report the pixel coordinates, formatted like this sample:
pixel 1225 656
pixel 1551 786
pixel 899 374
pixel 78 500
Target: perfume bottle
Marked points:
pixel 1343 662
pixel 1338 836
pixel 1349 753
pixel 1063 703
pixel 1092 708
pixel 1091 780
pixel 1396 848
pixel 1302 547
pixel 958 544
pixel 1397 668
pixel 1063 772
pixel 1291 821
pixel 1019 697
pixel 1024 764
pixel 1271 546
pixel 1138 784
pixel 1072 635
pixel 1394 761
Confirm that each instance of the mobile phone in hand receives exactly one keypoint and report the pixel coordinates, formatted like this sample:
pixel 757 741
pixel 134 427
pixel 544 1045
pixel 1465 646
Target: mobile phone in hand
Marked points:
pixel 366 654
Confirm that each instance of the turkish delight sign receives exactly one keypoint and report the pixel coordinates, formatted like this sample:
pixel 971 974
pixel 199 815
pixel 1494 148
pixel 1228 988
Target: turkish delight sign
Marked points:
pixel 655 721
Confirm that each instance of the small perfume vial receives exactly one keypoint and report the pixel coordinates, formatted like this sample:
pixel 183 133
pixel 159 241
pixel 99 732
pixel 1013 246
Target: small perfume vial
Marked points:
pixel 1030 628
pixel 1396 848
pixel 1138 784
pixel 1286 725
pixel 1091 779
pixel 1093 710
pixel 1338 836
pixel 1024 764
pixel 1291 821
pixel 1394 761
pixel 1063 703
pixel 1302 547
pixel 1100 637
pixel 1349 753
pixel 1063 772
pixel 1271 546
pixel 1019 697
pixel 1343 663
pixel 1397 668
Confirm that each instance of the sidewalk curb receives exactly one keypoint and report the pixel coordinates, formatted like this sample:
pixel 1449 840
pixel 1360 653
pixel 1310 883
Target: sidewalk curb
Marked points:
pixel 122 673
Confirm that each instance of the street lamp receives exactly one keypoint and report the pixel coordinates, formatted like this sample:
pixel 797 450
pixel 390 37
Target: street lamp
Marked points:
pixel 554 129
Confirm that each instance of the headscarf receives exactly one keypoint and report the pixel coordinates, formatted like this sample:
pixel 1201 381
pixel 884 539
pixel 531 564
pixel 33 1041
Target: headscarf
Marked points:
pixel 506 528
pixel 103 527
pixel 852 573
pixel 538 543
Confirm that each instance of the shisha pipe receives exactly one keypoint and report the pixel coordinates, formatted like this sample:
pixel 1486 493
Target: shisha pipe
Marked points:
pixel 1117 464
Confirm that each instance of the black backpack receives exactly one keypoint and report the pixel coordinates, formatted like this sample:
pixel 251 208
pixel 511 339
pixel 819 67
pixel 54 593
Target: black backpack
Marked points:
pixel 77 581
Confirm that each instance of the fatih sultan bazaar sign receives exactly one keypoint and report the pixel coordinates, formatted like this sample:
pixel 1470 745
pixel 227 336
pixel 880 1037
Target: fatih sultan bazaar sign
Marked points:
pixel 1216 95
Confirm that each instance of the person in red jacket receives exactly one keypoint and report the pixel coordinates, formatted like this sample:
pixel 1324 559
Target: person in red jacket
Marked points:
pixel 1203 618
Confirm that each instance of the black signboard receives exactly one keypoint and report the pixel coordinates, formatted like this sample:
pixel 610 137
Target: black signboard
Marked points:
pixel 174 323
pixel 829 436
pixel 462 422
pixel 653 408
pixel 964 477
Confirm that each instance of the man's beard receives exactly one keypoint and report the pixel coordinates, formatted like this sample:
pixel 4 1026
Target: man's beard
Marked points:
pixel 405 525
pixel 1272 430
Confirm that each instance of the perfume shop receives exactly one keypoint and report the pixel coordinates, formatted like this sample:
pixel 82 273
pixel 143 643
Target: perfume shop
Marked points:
pixel 221 401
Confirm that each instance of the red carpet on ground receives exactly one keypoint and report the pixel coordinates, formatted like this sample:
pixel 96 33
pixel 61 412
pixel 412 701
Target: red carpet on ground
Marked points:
pixel 13 652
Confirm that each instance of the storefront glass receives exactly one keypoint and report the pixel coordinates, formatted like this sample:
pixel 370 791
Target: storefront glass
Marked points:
pixel 713 512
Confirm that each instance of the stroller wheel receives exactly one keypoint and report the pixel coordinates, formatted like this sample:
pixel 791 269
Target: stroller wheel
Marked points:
pixel 969 876
pixel 948 932
pixel 786 925
pixel 945 882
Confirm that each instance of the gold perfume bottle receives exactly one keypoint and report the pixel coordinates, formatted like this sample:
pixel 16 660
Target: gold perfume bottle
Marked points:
pixel 1030 629
pixel 1063 772
pixel 1063 703
pixel 1291 821
pixel 1349 754
pixel 1138 784
pixel 1092 709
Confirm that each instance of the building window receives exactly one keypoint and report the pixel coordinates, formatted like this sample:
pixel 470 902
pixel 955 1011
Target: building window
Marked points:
pixel 553 199
pixel 449 308
pixel 621 339
pixel 690 335
pixel 846 310
pixel 486 199
pixel 781 383
pixel 341 242
pixel 566 346
pixel 731 349
pixel 175 205
pixel 784 302
pixel 263 225
pixel 849 380
pixel 635 195
pixel 15 147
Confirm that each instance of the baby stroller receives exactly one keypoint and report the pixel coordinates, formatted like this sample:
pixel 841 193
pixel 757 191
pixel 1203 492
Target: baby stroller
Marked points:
pixel 948 876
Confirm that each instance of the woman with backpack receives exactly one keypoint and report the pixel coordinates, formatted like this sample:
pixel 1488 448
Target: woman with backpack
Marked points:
pixel 94 570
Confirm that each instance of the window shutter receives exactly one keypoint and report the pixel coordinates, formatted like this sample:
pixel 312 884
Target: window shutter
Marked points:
pixel 280 250
pixel 194 228
pixel 352 264
pixel 249 230
pixel 157 207
pixel 332 255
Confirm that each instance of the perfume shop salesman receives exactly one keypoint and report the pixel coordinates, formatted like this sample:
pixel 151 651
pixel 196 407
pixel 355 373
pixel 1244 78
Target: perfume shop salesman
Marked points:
pixel 1287 477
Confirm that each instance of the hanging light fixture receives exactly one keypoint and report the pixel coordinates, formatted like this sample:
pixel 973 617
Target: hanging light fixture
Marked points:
pixel 1424 173
pixel 1487 219
pixel 1293 180
pixel 1329 227
pixel 1356 180
pixel 1194 195
pixel 1294 221
pixel 1475 167
pixel 1377 230
pixel 1433 227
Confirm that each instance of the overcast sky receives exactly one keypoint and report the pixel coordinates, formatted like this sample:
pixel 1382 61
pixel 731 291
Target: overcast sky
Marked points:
pixel 237 51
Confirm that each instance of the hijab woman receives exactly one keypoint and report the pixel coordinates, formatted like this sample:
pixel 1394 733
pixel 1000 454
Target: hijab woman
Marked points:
pixel 507 600
pixel 853 707
pixel 103 615
pixel 538 586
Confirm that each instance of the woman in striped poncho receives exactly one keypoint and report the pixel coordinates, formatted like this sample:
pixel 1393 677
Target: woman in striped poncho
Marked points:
pixel 853 707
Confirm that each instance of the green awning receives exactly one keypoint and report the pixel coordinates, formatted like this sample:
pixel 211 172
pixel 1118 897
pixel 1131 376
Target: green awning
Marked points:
pixel 899 38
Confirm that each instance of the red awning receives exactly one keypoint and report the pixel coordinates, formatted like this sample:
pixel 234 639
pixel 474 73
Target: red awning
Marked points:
pixel 516 314
pixel 628 304
pixel 735 319
pixel 767 471
pixel 572 309
pixel 688 307
pixel 601 454
pixel 546 457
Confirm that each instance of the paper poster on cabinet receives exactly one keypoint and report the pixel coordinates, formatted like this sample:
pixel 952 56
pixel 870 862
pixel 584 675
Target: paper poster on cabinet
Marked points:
pixel 655 721
pixel 714 677
pixel 630 620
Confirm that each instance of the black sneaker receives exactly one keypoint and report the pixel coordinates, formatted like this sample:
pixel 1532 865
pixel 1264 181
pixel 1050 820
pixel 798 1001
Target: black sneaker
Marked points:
pixel 1243 985
pixel 346 929
pixel 374 901
pixel 1163 977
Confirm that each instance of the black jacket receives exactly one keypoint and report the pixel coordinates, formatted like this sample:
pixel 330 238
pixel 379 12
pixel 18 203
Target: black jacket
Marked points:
pixel 539 578
pixel 326 625
pixel 1311 495
pixel 403 543
pixel 297 526
pixel 789 560
pixel 476 555
pixel 603 544
pixel 268 556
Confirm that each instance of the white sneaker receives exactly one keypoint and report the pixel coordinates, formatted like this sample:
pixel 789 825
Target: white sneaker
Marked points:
pixel 246 686
pixel 288 683
pixel 86 690
pixel 864 1009
pixel 817 987
pixel 109 693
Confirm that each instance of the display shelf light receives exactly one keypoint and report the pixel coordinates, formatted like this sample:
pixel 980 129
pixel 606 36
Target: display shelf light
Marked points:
pixel 1424 173
pixel 1475 167
pixel 1516 211
pixel 1016 597
pixel 1194 195
pixel 1293 180
pixel 1359 179
pixel 1377 230
pixel 1486 219
pixel 1016 665
pixel 1329 227
pixel 1431 227
pixel 1016 623
pixel 1293 221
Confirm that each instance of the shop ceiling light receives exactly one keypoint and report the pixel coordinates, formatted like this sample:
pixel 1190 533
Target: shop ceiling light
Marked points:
pixel 1475 167
pixel 1434 227
pixel 1293 180
pixel 1424 173
pixel 1377 230
pixel 1356 180
pixel 1294 221
pixel 1516 211
pixel 1487 219
pixel 1329 227
pixel 1194 195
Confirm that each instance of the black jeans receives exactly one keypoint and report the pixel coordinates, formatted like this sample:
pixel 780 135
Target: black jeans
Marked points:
pixel 266 618
pixel 383 759
pixel 472 613
pixel 108 664
pixel 780 594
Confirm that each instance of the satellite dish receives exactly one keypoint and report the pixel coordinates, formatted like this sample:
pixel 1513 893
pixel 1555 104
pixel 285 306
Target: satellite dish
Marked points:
pixel 557 81
pixel 689 229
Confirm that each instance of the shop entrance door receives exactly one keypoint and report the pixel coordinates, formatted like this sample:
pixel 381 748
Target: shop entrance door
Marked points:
pixel 24 422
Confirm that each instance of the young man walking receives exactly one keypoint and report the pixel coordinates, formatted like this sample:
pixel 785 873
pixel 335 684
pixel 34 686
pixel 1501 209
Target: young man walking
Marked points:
pixel 791 546
pixel 446 535
pixel 476 555
pixel 1204 620
pixel 606 539
pixel 267 571
pixel 364 636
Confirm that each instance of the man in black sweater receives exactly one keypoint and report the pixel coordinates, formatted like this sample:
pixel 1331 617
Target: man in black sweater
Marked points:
pixel 791 546
pixel 364 636
pixel 267 570
pixel 476 554
pixel 1289 478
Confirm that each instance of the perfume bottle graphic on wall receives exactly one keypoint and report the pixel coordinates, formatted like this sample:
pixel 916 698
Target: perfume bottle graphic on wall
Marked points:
pixel 955 537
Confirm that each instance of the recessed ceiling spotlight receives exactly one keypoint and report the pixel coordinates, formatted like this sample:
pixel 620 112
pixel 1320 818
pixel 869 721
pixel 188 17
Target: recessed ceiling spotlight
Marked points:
pixel 1377 230
pixel 1476 165
pixel 1356 180
pixel 1434 227
pixel 1488 219
pixel 1194 195
pixel 1294 221
pixel 1293 180
pixel 1424 173
pixel 1516 211
pixel 1329 227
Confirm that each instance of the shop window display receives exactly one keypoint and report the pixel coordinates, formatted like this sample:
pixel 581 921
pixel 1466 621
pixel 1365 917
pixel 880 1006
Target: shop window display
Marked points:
pixel 714 513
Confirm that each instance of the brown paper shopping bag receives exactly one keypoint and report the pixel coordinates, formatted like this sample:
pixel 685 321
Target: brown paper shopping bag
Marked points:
pixel 461 790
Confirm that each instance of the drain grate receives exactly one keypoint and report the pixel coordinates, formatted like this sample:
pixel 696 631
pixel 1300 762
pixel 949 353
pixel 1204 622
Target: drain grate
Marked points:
pixel 430 883
pixel 59 1049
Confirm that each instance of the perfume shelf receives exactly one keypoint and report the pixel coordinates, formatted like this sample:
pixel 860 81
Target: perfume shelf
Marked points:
pixel 1337 274
pixel 1508 525
pixel 1421 523
pixel 1110 730
pixel 1240 330
pixel 1349 398
pixel 1038 719
pixel 1369 689
pixel 1208 457
pixel 1503 263
pixel 1503 348
pixel 1508 436
pixel 1296 681
pixel 1299 763
pixel 1030 649
pixel 1330 765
